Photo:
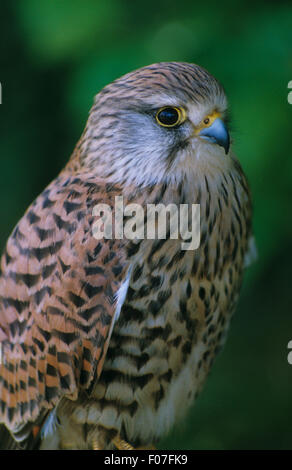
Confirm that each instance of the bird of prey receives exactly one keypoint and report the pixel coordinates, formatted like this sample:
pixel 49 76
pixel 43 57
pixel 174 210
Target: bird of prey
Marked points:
pixel 106 343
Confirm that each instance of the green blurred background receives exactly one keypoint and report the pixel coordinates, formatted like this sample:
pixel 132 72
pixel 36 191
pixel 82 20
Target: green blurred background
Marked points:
pixel 55 55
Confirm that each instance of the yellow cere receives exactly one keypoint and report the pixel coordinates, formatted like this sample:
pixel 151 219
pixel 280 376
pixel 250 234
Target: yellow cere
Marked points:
pixel 208 121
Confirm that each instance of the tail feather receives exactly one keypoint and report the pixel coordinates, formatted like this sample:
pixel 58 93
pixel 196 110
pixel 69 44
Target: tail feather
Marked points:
pixel 26 439
pixel 6 440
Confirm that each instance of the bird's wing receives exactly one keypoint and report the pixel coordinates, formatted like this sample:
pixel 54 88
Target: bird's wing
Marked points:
pixel 58 290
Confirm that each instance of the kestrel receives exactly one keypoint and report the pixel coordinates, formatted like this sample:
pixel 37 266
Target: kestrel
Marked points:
pixel 106 343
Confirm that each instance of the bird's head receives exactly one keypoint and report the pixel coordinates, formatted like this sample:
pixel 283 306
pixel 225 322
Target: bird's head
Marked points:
pixel 158 123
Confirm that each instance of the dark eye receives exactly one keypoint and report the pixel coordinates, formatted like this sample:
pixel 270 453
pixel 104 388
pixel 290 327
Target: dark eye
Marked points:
pixel 170 116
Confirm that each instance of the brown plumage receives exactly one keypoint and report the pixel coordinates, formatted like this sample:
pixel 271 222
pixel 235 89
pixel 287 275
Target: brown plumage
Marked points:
pixel 73 366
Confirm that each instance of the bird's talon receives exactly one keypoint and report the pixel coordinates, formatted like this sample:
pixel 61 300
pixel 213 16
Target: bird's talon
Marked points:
pixel 95 445
pixel 121 444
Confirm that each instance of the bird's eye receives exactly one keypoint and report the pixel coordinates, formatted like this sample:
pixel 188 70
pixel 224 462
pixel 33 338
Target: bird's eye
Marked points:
pixel 170 116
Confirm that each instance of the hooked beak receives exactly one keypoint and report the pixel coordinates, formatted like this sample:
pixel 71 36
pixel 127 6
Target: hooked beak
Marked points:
pixel 217 133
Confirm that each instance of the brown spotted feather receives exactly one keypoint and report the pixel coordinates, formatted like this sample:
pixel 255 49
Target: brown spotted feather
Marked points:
pixel 65 348
pixel 57 300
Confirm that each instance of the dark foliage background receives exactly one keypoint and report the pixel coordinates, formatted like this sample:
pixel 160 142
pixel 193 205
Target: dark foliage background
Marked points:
pixel 55 55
